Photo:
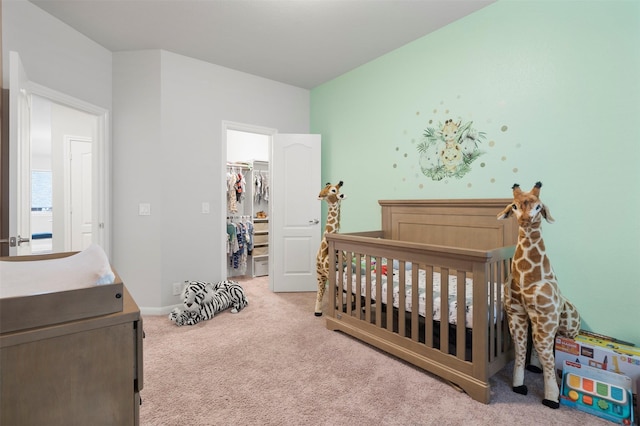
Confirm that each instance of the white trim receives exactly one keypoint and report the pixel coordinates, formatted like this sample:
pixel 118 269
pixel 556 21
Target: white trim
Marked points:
pixel 163 310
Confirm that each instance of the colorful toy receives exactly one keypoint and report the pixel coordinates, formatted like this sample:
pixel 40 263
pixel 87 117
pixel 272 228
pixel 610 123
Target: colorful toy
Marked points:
pixel 598 392
pixel 601 352
pixel 532 295
pixel 331 194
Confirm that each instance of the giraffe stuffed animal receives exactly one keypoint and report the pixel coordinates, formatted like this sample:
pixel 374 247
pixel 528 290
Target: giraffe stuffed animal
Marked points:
pixel 532 295
pixel 331 194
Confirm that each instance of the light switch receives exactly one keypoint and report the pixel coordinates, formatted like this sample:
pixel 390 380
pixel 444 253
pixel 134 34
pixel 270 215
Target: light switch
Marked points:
pixel 144 209
pixel 205 208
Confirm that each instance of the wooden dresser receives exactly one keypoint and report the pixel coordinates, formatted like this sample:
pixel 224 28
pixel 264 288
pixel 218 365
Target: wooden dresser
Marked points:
pixel 81 372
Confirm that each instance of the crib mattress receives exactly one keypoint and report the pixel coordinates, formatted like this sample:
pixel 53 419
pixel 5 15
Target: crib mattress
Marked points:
pixel 37 291
pixel 452 298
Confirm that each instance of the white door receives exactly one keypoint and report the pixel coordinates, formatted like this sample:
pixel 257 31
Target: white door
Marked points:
pixel 295 212
pixel 80 184
pixel 19 159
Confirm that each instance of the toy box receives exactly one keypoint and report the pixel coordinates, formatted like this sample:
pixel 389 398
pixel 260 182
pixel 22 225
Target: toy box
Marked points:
pixel 599 392
pixel 601 352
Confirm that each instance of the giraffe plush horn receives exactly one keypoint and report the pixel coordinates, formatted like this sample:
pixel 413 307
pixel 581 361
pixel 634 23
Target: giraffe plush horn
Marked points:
pixel 516 189
pixel 536 189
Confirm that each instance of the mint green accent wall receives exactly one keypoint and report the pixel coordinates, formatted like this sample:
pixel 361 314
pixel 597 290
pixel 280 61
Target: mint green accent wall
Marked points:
pixel 555 87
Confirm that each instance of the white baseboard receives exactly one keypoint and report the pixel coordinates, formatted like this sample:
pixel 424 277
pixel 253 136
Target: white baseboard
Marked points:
pixel 163 310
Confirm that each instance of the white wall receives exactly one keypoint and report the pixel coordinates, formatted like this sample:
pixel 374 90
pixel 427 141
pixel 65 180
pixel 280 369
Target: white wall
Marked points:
pixel 167 130
pixel 54 54
pixel 245 147
pixel 182 163
pixel 138 174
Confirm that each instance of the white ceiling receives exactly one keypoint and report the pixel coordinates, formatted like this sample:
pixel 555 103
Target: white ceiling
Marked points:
pixel 303 43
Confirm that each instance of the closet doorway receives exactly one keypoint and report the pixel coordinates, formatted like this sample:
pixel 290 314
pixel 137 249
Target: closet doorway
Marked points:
pixel 293 211
pixel 247 200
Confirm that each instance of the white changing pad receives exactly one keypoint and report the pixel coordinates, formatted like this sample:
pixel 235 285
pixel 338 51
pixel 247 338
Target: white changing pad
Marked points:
pixel 84 269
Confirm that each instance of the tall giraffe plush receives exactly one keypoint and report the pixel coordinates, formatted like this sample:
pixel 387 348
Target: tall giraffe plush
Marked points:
pixel 532 295
pixel 331 194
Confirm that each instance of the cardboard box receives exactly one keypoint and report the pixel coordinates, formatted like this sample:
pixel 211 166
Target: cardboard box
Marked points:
pixel 601 352
pixel 599 392
pixel 260 251
pixel 260 226
pixel 260 267
pixel 260 239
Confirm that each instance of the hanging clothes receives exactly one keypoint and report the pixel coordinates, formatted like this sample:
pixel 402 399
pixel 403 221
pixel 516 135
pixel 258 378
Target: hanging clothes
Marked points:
pixel 239 186
pixel 249 236
pixel 232 240
pixel 238 259
pixel 232 206
pixel 261 187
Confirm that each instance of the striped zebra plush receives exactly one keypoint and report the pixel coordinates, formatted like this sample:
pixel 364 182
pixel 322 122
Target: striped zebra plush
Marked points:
pixel 202 300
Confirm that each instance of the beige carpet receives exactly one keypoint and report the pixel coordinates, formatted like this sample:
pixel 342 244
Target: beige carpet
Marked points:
pixel 275 363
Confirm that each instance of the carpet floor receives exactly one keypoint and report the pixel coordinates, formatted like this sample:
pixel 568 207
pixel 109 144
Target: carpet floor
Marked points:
pixel 275 363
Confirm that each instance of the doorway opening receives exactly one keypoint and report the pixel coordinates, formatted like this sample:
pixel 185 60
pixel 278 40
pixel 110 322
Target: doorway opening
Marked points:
pixel 247 195
pixel 64 117
pixel 61 177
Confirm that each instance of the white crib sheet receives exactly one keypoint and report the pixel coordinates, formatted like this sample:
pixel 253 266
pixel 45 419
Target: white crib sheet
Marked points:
pixel 422 302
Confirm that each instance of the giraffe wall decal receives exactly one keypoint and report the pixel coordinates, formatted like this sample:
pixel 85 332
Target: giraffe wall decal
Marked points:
pixel 331 194
pixel 532 295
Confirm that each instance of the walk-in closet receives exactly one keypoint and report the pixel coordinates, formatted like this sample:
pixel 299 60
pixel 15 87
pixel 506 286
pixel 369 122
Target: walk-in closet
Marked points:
pixel 248 191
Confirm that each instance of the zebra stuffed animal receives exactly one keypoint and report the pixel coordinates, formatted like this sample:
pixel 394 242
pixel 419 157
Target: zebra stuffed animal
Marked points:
pixel 202 300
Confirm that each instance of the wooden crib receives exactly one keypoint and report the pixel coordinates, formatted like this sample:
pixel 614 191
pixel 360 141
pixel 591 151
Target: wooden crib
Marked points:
pixel 452 248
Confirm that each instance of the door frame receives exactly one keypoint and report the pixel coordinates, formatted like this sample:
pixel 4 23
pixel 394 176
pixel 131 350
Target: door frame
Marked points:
pixel 240 127
pixel 101 149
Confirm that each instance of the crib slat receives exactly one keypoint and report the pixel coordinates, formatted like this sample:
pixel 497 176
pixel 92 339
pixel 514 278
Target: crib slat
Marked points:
pixel 444 310
pixel 368 284
pixel 389 302
pixel 336 289
pixel 402 305
pixel 379 300
pixel 348 294
pixel 415 324
pixel 358 272
pixel 428 329
pixel 461 315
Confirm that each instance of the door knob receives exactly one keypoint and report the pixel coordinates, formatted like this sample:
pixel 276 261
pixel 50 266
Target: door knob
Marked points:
pixel 314 222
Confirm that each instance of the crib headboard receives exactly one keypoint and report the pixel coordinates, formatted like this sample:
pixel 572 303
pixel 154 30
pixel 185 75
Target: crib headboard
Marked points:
pixel 464 223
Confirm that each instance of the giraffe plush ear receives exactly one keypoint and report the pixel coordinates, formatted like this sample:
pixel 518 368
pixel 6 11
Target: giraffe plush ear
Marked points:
pixel 506 212
pixel 546 214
